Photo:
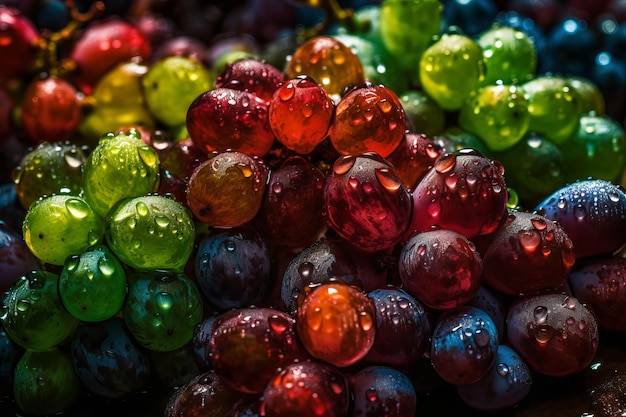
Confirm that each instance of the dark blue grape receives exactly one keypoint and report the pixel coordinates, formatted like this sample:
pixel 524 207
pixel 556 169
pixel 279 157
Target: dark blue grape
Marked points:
pixel 608 72
pixel 383 391
pixel 472 16
pixel 464 345
pixel 52 15
pixel 107 359
pixel 16 260
pixel 491 303
pixel 570 48
pixel 507 383
pixel 233 268
pixel 201 342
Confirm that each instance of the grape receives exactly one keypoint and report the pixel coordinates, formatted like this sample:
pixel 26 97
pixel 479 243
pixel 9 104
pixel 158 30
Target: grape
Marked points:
pixel 247 129
pixel 45 382
pixel 329 62
pixel 250 345
pixel 16 51
pixel 58 226
pixel 204 394
pixel 118 101
pixel 366 202
pixel 16 260
pixel 598 139
pixel 507 383
pixel 307 389
pixel 120 166
pixel 252 76
pixel 454 139
pixel 368 119
pixel 174 368
pixel 407 29
pixel 336 323
pixel 592 99
pixel 498 114
pixel 171 84
pixel 424 114
pixel 464 192
pixel 555 333
pixel 162 309
pixel 50 110
pixel 535 252
pixel 33 315
pixel 92 285
pixel 554 107
pixel 592 213
pixel 464 345
pixel 402 328
pixel 570 45
pixel 492 303
pixel 509 54
pixel 379 390
pixel 294 196
pixel 227 190
pixel 301 131
pixel 472 16
pixel 415 155
pixel 107 360
pixel 151 232
pixel 50 168
pixel 232 268
pixel 441 268
pixel 450 69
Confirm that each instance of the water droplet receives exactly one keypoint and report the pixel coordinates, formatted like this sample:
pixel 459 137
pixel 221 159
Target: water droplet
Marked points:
pixel 148 156
pixel 277 187
pixel 434 208
pixel 156 320
pixel 538 223
pixel 314 318
pixel 162 221
pixel 306 270
pixel 502 369
pixel 343 164
pixel 23 305
pixel 385 106
pixel 229 245
pixel 40 381
pixel 580 212
pixel 388 179
pixel 245 169
pixel 278 324
pixel 77 208
pixel 371 395
pixel 287 92
pixel 543 333
pixel 73 159
pixel 366 321
pixel 71 263
pixel 142 208
pixel 445 163
pixel 529 239
pixel 541 314
pixel 481 338
pixel 307 111
pixel 107 266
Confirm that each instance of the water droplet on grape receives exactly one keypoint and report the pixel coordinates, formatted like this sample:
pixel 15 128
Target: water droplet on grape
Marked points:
pixel 77 208
pixel 387 179
pixel 371 395
pixel 543 333
pixel 538 223
pixel 162 221
pixel 148 156
pixel 287 92
pixel 23 305
pixel 278 324
pixel 107 266
pixel 481 338
pixel 306 270
pixel 541 314
pixel 445 163
pixel 343 164
pixel 229 245
pixel 314 318
pixel 502 369
pixel 142 209
pixel 164 301
pixel 529 239
pixel 366 321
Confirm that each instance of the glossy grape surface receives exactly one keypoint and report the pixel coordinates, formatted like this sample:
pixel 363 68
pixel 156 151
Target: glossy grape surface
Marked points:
pixel 33 315
pixel 232 268
pixel 379 390
pixel 204 392
pixel 366 201
pixel 509 54
pixel 19 33
pixel 253 76
pixel 555 333
pixel 16 260
pixel 92 285
pixel 415 155
pixel 121 166
pixel 107 360
pixel 162 309
pixel 58 226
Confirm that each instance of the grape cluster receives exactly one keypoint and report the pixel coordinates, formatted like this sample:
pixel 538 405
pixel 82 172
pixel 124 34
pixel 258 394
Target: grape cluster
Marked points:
pixel 392 202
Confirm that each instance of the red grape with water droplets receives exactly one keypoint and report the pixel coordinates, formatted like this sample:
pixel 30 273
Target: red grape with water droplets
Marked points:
pixel 464 192
pixel 368 119
pixel 253 76
pixel 555 333
pixel 18 36
pixel 441 268
pixel 300 114
pixel 366 202
pixel 535 252
pixel 206 393
pixel 415 155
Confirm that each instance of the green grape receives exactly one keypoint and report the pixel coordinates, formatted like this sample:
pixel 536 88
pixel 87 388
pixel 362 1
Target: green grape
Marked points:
pixel 592 100
pixel 45 383
pixel 118 101
pixel 535 168
pixel 151 232
pixel 450 69
pixel 597 149
pixel 121 166
pixel 407 28
pixel 92 285
pixel 554 107
pixel 498 114
pixel 379 67
pixel 33 315
pixel 172 84
pixel 509 54
pixel 58 226
pixel 162 309
pixel 50 168
pixel 426 114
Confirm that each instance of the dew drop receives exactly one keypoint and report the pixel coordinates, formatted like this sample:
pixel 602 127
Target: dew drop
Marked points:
pixel 481 338
pixel 366 321
pixel 306 270
pixel 385 106
pixel 314 318
pixel 502 369
pixel 543 333
pixel 142 208
pixel 541 314
pixel 278 324
pixel 388 179
pixel 229 245
pixel 106 266
pixel 538 223
pixel 529 239
pixel 343 164
pixel 73 159
pixel 371 395
pixel 162 221
pixel 148 156
pixel 445 163
pixel 77 208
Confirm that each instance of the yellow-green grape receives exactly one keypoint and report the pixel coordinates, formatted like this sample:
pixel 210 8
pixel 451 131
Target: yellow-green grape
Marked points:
pixel 592 100
pixel 58 226
pixel 498 114
pixel 118 101
pixel 509 55
pixel 407 28
pixel 92 285
pixel 162 309
pixel 554 107
pixel 172 84
pixel 33 315
pixel 121 166
pixel 450 69
pixel 151 232
pixel 45 383
pixel 50 168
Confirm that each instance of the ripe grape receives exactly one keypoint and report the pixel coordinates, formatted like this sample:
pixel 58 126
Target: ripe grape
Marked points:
pixel 16 260
pixel 120 166
pixel 415 155
pixel 379 390
pixel 253 76
pixel 509 54
pixel 58 226
pixel 19 34
pixel 206 393
pixel 424 114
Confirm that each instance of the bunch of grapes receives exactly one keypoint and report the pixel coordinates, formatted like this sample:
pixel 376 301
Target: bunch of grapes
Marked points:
pixel 390 209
